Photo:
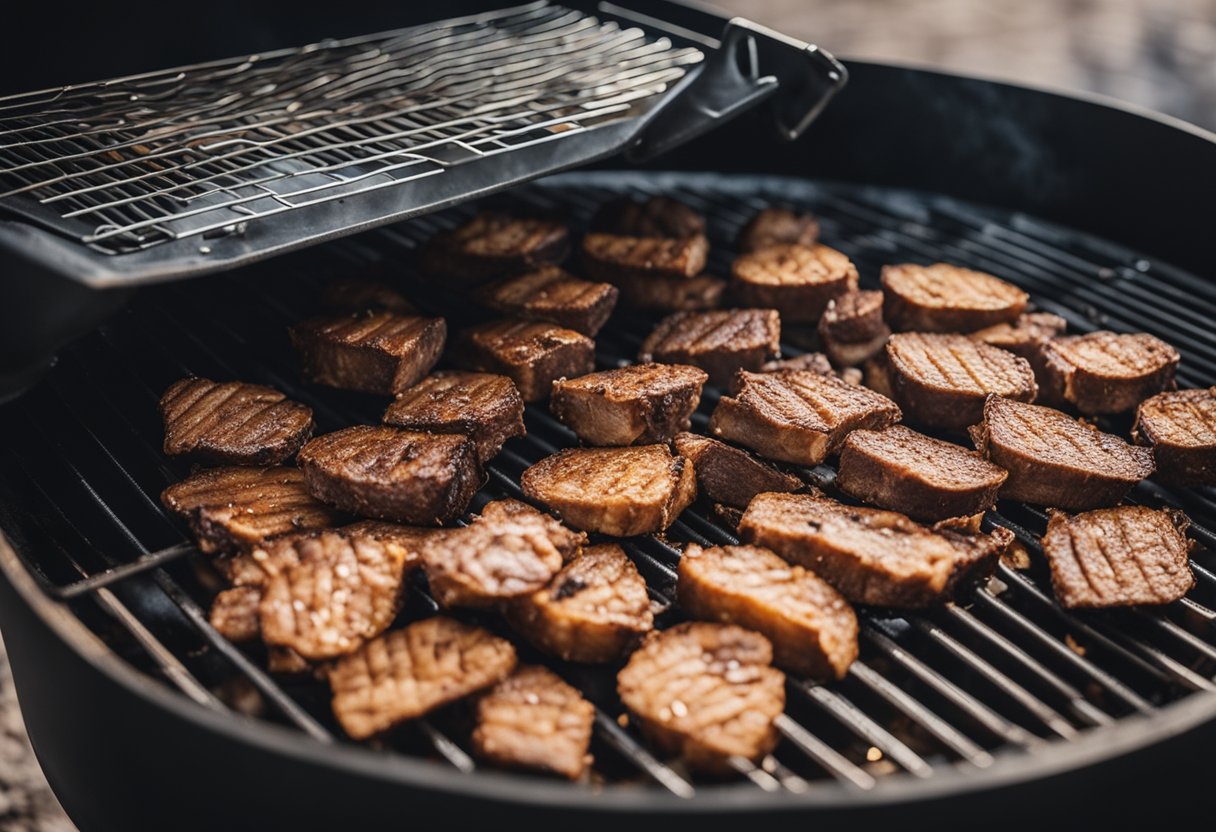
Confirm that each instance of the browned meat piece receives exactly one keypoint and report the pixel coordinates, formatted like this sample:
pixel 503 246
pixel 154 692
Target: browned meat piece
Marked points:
pixel 811 626
pixel 550 293
pixel 852 329
pixel 946 298
pixel 729 475
pixel 362 295
pixel 925 478
pixel 797 281
pixel 491 245
pixel 1108 372
pixel 1026 336
pixel 636 405
pixel 816 362
pixel 373 352
pixel 706 692
pixel 798 416
pixel 659 216
pixel 532 354
pixel 234 613
pixel 1055 460
pixel 1180 427
pixel 486 408
pixel 1116 557
pixel 778 227
pixel 592 611
pixel 872 556
pixel 613 257
pixel 392 474
pixel 719 342
pixel 671 294
pixel 617 491
pixel 942 380
pixel 407 673
pixel 230 509
pixel 533 720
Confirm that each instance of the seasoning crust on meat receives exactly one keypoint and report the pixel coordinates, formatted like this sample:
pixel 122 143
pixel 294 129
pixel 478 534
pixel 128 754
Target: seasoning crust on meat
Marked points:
pixel 730 475
pixel 1180 427
pixel 1108 372
pixel 612 257
pixel 636 405
pixel 532 354
pixel 372 352
pixel 720 342
pixel 798 281
pixel 947 298
pixel 492 244
pixel 487 408
pixel 550 293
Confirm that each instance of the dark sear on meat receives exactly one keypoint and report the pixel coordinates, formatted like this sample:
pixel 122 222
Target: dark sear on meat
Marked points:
pixel 531 353
pixel 1180 427
pixel 925 478
pixel 486 408
pixel 357 294
pixel 636 405
pixel 730 475
pixel 492 245
pixel 232 509
pixel 812 628
pixel 705 692
pixel 592 611
pixel 407 673
pixel 796 280
pixel 616 491
pixel 392 474
pixel 942 380
pixel 550 293
pixel 671 294
pixel 372 352
pixel 777 227
pixel 719 342
pixel 852 329
pixel 232 423
pixel 1108 372
pixel 872 556
pixel 1120 556
pixel 946 298
pixel 533 720
pixel 659 216
pixel 797 416
pixel 1055 460
pixel 234 613
pixel 613 257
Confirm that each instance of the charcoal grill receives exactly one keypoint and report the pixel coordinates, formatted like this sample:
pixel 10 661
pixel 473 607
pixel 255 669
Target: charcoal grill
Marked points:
pixel 1001 709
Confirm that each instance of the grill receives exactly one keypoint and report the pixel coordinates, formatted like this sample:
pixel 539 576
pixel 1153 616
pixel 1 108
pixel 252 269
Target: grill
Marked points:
pixel 1002 678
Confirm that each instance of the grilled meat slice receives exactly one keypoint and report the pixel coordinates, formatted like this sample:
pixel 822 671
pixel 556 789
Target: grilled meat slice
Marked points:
pixel 531 353
pixel 1026 336
pixel 706 692
pixel 1108 372
pixel 407 673
pixel 492 245
pixel 942 380
pixel 1180 427
pixel 798 416
pixel 1115 557
pixel 816 362
pixel 230 509
pixel 946 298
pixel 636 405
pixel 486 408
pixel 852 329
pixel 796 280
pixel 872 556
pixel 729 475
pixel 659 216
pixel 811 626
pixel 357 294
pixel 719 342
pixel 777 227
pixel 372 352
pixel 234 613
pixel 550 293
pixel 392 474
pixel 922 477
pixel 671 294
pixel 614 257
pixel 533 720
pixel 1055 460
pixel 617 491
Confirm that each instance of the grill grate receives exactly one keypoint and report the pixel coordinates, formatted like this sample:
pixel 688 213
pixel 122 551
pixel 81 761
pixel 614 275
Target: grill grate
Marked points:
pixel 1006 672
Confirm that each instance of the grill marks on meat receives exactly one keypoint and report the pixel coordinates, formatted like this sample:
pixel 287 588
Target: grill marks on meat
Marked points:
pixel 550 293
pixel 729 475
pixel 532 354
pixel 946 298
pixel 659 216
pixel 392 474
pixel 796 280
pixel 486 408
pixel 407 673
pixel 719 342
pixel 592 611
pixel 1118 557
pixel 812 628
pixel 777 227
pixel 1180 427
pixel 798 416
pixel 636 405
pixel 372 352
pixel 612 257
pixel 534 720
pixel 491 245
pixel 1055 460
pixel 706 692
pixel 616 491
pixel 852 328
pixel 942 380
pixel 925 478
pixel 1108 372
pixel 671 294
pixel 871 556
